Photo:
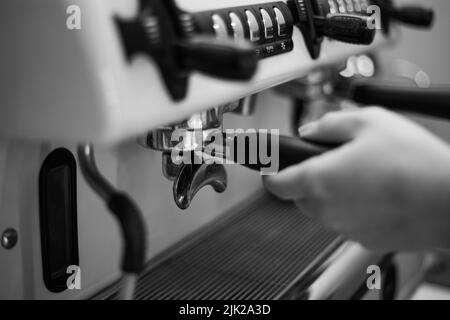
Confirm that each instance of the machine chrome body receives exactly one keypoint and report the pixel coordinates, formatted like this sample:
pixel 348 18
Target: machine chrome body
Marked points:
pixel 77 86
pixel 94 94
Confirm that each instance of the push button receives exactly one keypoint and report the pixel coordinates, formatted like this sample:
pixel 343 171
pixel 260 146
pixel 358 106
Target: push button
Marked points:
pixel 281 22
pixel 237 26
pixel 268 24
pixel 220 27
pixel 253 26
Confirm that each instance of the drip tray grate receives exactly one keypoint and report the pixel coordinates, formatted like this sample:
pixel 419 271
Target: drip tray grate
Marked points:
pixel 255 252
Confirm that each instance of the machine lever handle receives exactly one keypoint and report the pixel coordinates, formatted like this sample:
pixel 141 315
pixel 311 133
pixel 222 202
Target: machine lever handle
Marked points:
pixel 354 29
pixel 226 59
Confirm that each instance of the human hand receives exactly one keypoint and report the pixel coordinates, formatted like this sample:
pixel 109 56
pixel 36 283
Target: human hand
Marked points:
pixel 387 187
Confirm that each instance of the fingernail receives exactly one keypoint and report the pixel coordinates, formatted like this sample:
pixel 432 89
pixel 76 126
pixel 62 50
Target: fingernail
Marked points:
pixel 307 129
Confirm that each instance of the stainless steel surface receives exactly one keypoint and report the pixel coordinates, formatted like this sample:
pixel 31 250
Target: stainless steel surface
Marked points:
pixel 237 26
pixel 162 139
pixel 9 239
pixel 192 178
pixel 189 177
pixel 220 27
pixel 268 24
pixel 247 106
pixel 281 22
pixel 255 251
pixel 340 276
pixel 128 288
pixel 253 26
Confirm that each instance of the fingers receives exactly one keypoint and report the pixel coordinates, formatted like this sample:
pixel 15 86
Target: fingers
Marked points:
pixel 304 180
pixel 314 178
pixel 335 127
pixel 314 182
pixel 292 183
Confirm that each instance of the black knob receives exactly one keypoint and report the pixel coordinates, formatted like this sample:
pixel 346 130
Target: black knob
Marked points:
pixel 414 16
pixel 226 59
pixel 348 28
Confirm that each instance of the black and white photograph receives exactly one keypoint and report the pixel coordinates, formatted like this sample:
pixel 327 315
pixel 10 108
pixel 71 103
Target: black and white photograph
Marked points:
pixel 232 159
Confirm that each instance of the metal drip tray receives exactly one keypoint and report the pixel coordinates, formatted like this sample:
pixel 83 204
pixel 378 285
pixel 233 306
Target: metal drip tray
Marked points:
pixel 255 252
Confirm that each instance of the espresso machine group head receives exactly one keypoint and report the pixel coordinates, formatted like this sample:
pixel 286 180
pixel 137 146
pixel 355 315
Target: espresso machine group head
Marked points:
pixel 195 150
pixel 191 175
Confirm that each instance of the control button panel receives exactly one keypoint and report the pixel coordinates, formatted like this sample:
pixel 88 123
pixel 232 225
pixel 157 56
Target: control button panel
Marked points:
pixel 269 26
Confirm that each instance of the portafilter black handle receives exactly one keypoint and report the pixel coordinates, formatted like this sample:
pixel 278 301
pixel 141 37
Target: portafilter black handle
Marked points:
pixel 291 150
pixel 434 101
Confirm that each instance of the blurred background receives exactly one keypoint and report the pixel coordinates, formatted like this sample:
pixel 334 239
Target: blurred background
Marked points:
pixel 430 51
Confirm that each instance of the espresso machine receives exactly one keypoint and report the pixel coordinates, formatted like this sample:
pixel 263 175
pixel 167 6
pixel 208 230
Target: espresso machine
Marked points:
pixel 92 203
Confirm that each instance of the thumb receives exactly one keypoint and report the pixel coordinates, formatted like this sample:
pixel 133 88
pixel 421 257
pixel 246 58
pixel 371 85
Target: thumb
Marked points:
pixel 312 178
pixel 292 183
